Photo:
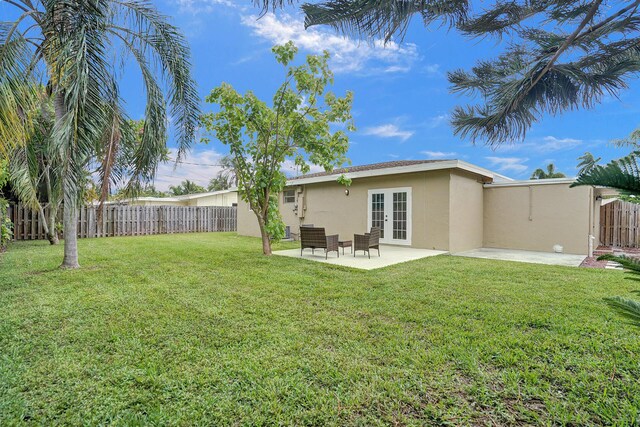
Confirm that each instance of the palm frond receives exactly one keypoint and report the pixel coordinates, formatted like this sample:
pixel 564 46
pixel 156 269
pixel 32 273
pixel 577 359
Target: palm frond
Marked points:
pixel 155 34
pixel 23 175
pixel 622 174
pixel 18 98
pixel 632 265
pixel 382 18
pixel 626 307
pixel 587 162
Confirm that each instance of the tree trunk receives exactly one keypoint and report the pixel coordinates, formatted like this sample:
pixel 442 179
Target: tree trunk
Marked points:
pixel 50 229
pixel 70 209
pixel 52 233
pixel 266 243
pixel 48 226
pixel 70 233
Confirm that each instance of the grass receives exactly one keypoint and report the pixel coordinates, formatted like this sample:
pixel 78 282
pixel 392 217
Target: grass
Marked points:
pixel 202 329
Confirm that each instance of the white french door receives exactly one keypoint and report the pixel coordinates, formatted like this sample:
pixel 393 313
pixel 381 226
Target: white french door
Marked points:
pixel 390 210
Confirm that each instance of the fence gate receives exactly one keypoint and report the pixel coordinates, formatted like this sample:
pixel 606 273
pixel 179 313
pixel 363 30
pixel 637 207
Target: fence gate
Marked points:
pixel 620 224
pixel 130 220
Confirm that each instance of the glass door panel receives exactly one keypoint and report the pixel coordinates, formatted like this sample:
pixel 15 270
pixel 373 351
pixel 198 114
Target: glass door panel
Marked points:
pixel 378 212
pixel 400 215
pixel 390 210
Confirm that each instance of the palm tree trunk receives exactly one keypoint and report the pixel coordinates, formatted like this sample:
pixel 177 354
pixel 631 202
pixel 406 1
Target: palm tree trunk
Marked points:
pixel 48 226
pixel 70 209
pixel 52 234
pixel 50 222
pixel 70 233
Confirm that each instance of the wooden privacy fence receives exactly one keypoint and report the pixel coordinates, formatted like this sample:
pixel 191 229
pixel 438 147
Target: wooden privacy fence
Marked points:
pixel 620 224
pixel 131 220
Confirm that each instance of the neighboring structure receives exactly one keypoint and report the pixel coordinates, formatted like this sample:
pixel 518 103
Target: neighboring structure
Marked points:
pixel 447 205
pixel 214 198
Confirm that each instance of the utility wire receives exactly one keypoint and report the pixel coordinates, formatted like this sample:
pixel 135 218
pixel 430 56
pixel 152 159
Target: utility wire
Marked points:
pixel 209 164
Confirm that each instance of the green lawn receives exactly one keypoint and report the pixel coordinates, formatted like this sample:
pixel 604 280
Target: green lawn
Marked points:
pixel 202 329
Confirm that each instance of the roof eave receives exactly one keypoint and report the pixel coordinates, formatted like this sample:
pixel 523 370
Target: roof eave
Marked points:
pixel 420 167
pixel 530 182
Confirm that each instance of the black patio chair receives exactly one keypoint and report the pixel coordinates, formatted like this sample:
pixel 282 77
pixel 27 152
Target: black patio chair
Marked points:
pixel 366 242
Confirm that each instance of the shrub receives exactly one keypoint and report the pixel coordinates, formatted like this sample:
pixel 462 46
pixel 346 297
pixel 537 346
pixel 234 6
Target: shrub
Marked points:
pixel 6 226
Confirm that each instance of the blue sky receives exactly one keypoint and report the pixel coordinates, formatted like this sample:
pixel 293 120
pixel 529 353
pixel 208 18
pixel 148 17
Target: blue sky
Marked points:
pixel 402 101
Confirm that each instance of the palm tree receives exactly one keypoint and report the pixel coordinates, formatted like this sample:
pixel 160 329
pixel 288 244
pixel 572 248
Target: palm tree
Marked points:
pixel 226 178
pixel 586 51
pixel 587 162
pixel 622 174
pixel 73 43
pixel 35 170
pixel 547 174
pixel 186 187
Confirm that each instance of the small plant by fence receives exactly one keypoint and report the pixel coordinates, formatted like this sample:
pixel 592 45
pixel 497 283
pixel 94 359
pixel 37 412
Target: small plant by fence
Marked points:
pixel 131 221
pixel 620 224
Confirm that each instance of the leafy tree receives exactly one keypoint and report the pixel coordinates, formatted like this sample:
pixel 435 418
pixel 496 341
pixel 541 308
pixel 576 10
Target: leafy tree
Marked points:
pixel 296 126
pixel 561 55
pixel 550 172
pixel 79 45
pixel 186 187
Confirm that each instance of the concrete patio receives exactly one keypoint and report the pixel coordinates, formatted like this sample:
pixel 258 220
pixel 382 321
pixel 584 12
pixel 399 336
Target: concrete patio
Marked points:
pixel 390 255
pixel 549 258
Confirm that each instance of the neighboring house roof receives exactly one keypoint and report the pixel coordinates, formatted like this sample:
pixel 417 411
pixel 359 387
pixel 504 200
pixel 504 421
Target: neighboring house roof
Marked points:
pixel 182 198
pixel 395 167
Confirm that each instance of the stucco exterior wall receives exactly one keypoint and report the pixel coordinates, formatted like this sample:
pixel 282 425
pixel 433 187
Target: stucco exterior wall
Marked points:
pixel 326 205
pixel 466 212
pixel 537 217
pixel 224 199
pixel 247 223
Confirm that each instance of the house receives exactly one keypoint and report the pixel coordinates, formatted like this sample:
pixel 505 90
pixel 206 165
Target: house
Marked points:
pixel 213 198
pixel 446 205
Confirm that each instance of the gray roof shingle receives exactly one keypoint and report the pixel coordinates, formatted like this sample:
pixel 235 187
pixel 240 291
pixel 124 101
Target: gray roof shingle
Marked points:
pixel 373 166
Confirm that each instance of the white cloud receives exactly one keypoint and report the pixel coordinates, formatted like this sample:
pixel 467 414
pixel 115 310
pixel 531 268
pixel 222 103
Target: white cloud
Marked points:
pixel 347 55
pixel 198 166
pixel 202 6
pixel 509 164
pixel 388 131
pixel 548 144
pixel 436 121
pixel 397 69
pixel 432 69
pixel 551 143
pixel 438 154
